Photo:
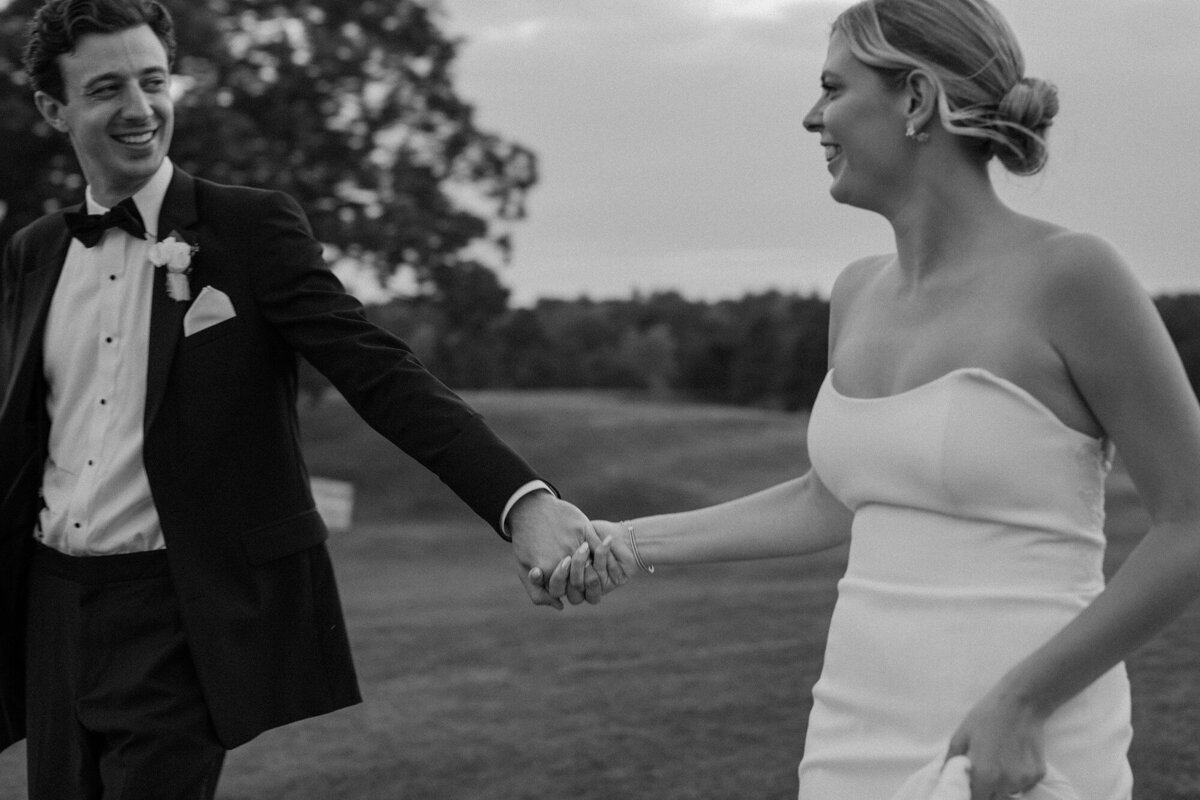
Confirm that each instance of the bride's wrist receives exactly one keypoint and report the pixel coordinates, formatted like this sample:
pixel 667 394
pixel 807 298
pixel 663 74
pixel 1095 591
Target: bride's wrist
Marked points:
pixel 631 543
pixel 1024 699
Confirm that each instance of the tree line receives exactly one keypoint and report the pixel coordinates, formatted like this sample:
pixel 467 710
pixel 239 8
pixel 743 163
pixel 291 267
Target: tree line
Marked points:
pixel 764 349
pixel 767 349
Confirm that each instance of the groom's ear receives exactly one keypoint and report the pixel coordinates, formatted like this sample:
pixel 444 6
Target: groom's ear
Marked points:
pixel 51 109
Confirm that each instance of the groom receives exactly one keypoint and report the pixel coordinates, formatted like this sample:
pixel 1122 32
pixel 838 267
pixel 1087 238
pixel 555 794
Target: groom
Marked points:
pixel 165 589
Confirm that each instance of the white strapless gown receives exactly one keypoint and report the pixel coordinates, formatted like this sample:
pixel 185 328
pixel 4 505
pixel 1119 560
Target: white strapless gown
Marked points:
pixel 977 536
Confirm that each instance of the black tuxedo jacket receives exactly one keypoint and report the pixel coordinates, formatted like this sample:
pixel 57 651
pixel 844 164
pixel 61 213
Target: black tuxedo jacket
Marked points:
pixel 222 450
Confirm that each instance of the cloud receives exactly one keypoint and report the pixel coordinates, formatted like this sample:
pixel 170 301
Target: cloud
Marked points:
pixel 770 10
pixel 520 33
pixel 671 129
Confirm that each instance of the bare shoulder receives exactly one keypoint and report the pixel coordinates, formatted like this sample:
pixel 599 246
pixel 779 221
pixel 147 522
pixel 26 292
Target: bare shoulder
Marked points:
pixel 859 272
pixel 850 286
pixel 1074 283
pixel 1080 268
pixel 854 278
pixel 1098 317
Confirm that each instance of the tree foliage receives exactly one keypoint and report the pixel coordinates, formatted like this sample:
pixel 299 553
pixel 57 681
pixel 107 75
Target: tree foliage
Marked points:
pixel 1181 315
pixel 348 105
pixel 766 349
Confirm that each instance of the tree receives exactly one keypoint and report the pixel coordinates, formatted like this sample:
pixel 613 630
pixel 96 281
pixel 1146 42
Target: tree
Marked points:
pixel 650 355
pixel 1181 315
pixel 807 358
pixel 469 301
pixel 348 105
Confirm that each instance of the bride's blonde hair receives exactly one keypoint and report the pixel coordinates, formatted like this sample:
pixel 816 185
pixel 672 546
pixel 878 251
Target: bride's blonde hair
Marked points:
pixel 973 60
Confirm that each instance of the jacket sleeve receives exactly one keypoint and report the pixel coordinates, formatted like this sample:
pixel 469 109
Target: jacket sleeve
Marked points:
pixel 376 371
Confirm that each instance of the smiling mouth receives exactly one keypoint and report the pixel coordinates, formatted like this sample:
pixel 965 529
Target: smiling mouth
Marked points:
pixel 135 138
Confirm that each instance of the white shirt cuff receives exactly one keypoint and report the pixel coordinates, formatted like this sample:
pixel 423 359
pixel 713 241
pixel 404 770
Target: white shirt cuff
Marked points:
pixel 529 488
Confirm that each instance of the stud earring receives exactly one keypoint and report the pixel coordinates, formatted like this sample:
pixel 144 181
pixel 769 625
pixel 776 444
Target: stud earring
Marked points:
pixel 911 133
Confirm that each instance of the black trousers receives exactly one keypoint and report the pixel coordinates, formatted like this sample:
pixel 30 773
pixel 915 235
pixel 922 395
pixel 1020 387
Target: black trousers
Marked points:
pixel 115 711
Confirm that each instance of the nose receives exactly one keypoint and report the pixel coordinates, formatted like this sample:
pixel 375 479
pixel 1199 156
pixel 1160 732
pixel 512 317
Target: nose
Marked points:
pixel 136 105
pixel 814 119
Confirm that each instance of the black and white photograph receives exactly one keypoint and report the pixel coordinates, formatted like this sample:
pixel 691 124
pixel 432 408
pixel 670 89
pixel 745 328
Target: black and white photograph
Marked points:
pixel 684 399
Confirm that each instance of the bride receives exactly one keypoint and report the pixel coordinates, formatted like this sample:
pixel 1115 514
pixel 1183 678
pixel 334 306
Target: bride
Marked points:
pixel 980 377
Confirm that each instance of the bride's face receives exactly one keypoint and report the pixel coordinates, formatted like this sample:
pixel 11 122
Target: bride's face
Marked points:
pixel 860 119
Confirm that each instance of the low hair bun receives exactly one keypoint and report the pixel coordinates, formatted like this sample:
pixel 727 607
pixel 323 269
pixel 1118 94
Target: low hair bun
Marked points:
pixel 1022 118
pixel 1031 103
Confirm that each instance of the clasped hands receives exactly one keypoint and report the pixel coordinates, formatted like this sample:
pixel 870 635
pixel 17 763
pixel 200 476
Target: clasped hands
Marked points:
pixel 561 553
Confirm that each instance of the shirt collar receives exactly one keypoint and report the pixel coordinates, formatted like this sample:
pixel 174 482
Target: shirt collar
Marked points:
pixel 148 199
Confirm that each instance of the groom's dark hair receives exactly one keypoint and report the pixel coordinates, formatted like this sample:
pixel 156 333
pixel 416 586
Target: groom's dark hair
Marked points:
pixel 58 25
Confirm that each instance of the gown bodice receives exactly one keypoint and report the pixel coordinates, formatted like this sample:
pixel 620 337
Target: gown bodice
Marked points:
pixel 977 535
pixel 978 450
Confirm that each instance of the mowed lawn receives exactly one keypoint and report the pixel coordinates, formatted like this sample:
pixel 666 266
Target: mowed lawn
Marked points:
pixel 691 683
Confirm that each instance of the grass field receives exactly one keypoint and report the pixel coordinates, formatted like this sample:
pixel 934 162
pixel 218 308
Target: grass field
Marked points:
pixel 687 684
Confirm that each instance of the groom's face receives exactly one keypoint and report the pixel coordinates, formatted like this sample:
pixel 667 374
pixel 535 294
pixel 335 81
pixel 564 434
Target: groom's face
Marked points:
pixel 116 108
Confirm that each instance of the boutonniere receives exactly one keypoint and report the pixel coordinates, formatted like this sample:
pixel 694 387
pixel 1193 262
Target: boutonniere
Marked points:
pixel 175 253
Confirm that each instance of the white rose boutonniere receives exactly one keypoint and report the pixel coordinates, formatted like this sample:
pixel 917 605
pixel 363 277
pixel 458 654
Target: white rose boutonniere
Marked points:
pixel 175 254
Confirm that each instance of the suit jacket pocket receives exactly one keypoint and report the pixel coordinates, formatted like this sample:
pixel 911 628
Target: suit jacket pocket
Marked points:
pixel 212 332
pixel 285 537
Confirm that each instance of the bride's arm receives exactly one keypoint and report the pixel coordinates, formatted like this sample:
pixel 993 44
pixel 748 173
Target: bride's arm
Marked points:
pixel 797 517
pixel 1125 366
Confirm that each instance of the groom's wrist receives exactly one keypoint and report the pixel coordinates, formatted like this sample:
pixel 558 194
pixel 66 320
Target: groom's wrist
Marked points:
pixel 524 491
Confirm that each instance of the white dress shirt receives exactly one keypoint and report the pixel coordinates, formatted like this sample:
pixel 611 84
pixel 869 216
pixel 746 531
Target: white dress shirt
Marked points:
pixel 96 346
pixel 96 353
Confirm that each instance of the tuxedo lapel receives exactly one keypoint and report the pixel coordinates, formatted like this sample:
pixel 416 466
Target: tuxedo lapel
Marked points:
pixel 31 308
pixel 166 315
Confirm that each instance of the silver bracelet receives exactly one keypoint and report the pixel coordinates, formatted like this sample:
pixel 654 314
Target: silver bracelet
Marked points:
pixel 637 557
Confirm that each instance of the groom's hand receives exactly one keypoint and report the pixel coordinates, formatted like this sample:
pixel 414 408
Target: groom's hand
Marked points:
pixel 545 532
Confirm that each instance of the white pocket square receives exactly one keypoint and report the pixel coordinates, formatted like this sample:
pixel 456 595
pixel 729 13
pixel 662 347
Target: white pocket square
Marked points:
pixel 210 307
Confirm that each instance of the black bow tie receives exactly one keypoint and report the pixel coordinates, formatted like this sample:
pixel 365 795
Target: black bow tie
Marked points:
pixel 90 228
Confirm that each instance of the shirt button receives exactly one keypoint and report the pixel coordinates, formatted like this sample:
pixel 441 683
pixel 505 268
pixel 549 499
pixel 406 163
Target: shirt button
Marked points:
pixel 108 339
pixel 90 462
pixel 103 402
pixel 112 277
pixel 78 525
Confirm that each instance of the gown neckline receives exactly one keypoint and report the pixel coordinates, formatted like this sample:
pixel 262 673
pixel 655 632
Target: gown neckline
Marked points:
pixel 980 372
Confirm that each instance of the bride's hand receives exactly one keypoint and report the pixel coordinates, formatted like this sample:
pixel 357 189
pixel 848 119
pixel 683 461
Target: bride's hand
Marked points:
pixel 602 563
pixel 1004 740
pixel 611 553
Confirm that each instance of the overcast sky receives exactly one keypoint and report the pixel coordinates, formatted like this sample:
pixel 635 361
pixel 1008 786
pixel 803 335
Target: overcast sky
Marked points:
pixel 672 153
